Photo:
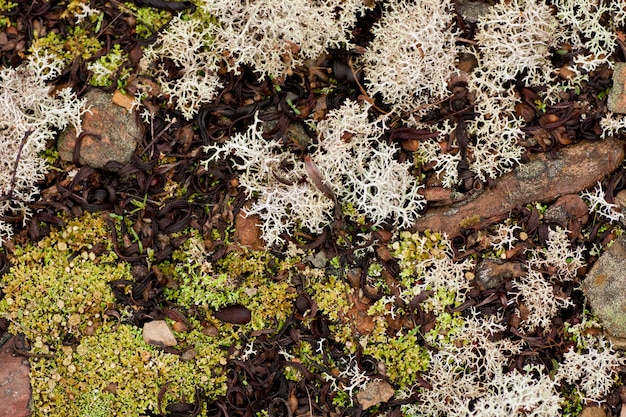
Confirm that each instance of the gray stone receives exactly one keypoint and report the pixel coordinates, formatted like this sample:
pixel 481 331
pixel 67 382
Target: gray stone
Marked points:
pixel 604 287
pixel 110 133
pixel 158 333
pixel 472 11
pixel 617 96
pixel 318 260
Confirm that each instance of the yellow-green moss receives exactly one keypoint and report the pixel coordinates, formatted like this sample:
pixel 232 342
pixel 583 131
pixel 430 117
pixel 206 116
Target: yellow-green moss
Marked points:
pixel 6 6
pixel 59 286
pixel 270 303
pixel 413 248
pixel 149 19
pixel 79 43
pixel 122 374
pixel 330 294
pixel 250 278
pixel 403 357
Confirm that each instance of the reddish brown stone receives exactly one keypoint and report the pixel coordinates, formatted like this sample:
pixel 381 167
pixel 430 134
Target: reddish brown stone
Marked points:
pixel 543 179
pixel 110 133
pixel 123 100
pixel 375 392
pixel 14 383
pixel 438 194
pixel 571 211
pixel 248 231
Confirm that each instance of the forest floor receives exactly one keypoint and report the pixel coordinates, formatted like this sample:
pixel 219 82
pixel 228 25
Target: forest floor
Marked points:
pixel 162 193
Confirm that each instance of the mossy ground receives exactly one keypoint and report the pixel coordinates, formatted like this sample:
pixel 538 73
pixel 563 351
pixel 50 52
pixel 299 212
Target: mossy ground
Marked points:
pixel 87 359
pixel 57 295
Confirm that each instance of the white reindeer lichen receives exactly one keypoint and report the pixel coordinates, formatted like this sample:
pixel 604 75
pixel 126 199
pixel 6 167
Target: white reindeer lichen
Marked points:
pixel 29 119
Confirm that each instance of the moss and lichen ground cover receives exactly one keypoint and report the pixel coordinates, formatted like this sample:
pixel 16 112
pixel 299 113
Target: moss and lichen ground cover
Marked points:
pixel 342 303
pixel 88 356
pixel 86 349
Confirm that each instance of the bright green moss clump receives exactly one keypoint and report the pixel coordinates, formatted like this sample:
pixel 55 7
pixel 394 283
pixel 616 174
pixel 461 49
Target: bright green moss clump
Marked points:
pixel 255 279
pixel 330 294
pixel 59 286
pixel 403 357
pixel 104 68
pixel 80 43
pixel 149 19
pixel 6 6
pixel 58 290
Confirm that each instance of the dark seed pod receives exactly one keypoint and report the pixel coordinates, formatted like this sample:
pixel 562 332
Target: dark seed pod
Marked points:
pixel 369 365
pixel 236 314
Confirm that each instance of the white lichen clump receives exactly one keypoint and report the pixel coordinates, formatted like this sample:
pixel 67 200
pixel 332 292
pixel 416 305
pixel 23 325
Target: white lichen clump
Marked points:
pixel 559 260
pixel 612 125
pixel 187 43
pixel 412 56
pixel 273 177
pixel 592 28
pixel 354 166
pixel 537 295
pixel 362 170
pixel 513 40
pixel 468 371
pixel 276 37
pixel 597 204
pixel 558 256
pixel 30 118
pixel 589 29
pixel 592 369
pixel 272 38
pixel 472 368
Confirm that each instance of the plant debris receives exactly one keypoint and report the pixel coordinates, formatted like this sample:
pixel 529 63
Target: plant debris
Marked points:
pixel 315 234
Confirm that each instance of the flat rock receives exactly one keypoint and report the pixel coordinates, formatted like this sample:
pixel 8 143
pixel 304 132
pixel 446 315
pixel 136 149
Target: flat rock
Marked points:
pixel 110 133
pixel 375 392
pixel 248 231
pixel 158 333
pixel 542 179
pixel 593 411
pixel 472 11
pixel 14 383
pixel 617 96
pixel 604 287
